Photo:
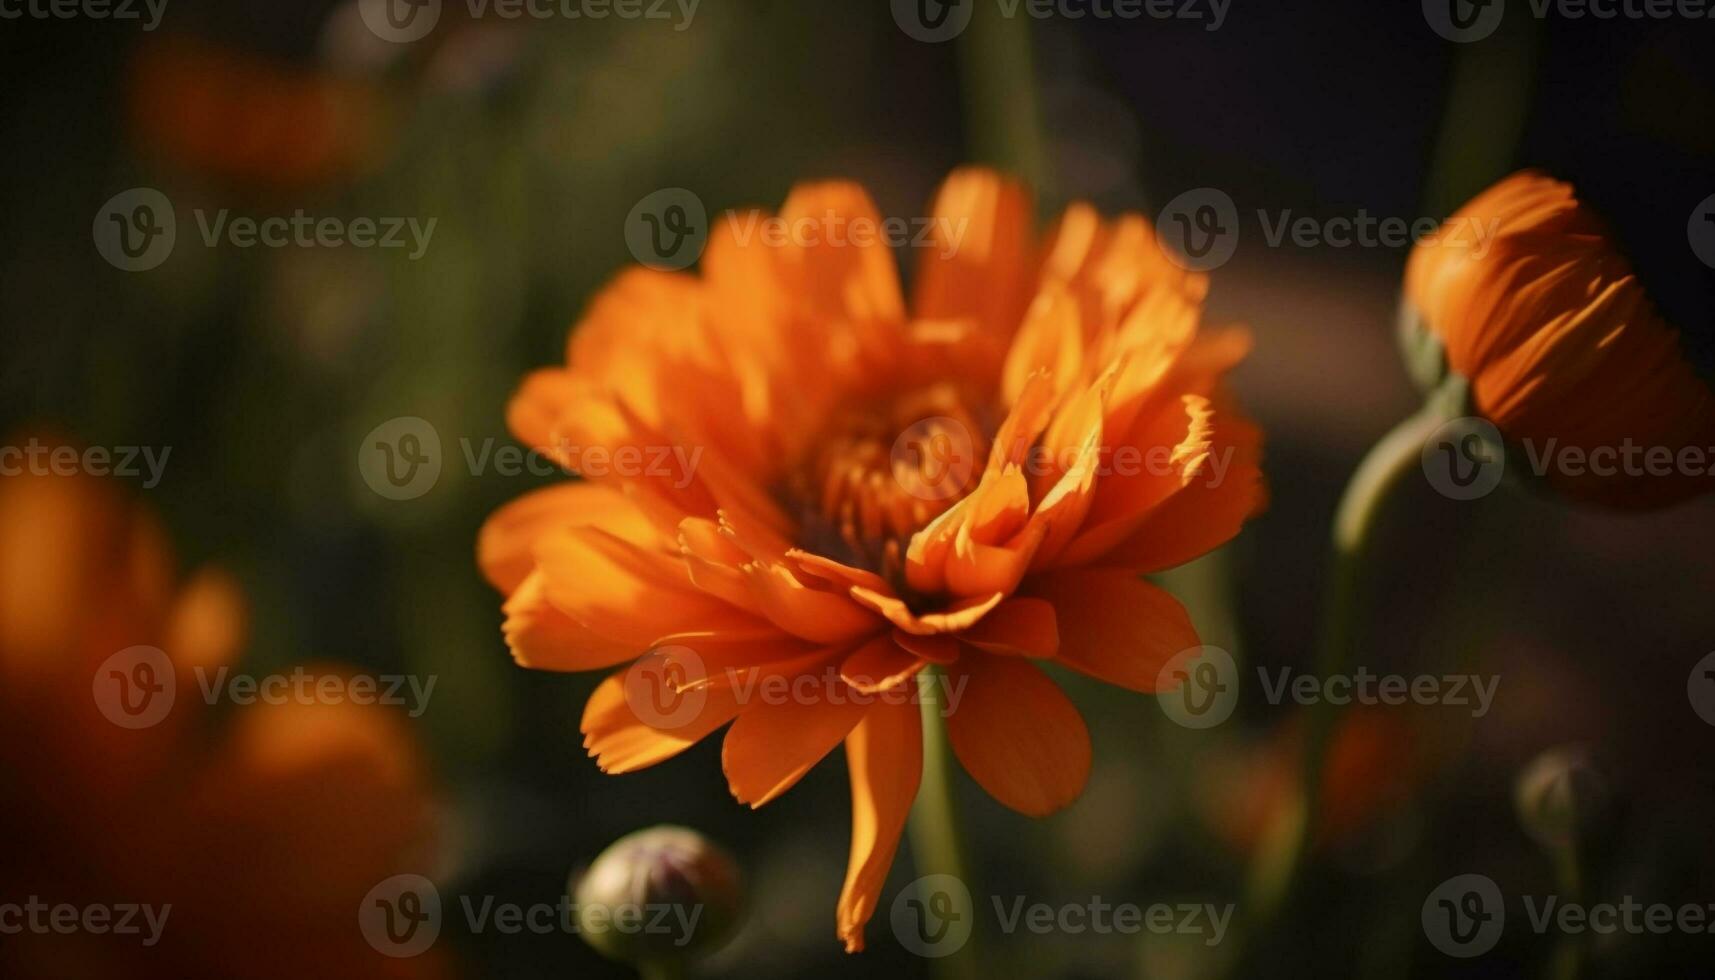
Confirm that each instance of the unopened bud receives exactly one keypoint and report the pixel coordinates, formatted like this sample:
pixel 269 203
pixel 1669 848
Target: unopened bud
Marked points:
pixel 666 894
pixel 1562 797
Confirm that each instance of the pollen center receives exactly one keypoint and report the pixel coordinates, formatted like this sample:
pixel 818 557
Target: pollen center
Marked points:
pixel 886 467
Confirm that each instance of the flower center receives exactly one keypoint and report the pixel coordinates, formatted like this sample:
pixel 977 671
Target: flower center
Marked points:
pixel 887 467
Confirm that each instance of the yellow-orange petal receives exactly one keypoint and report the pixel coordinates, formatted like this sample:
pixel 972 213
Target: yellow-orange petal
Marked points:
pixel 1017 734
pixel 624 592
pixel 977 264
pixel 884 755
pixel 1022 625
pixel 1165 452
pixel 814 614
pixel 536 408
pixel 543 637
pixel 621 742
pixel 1115 626
pixel 1205 513
pixel 737 658
pixel 209 621
pixel 961 615
pixel 880 665
pixel 936 648
pixel 505 547
pixel 772 745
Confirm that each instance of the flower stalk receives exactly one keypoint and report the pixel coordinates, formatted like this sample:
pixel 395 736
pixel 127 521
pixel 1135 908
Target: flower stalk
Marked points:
pixel 1281 859
pixel 936 844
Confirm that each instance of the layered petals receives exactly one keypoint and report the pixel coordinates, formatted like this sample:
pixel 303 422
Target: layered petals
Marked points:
pixel 870 495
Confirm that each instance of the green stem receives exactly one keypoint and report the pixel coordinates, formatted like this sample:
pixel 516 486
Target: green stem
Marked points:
pixel 1281 859
pixel 936 846
pixel 1568 869
pixel 661 970
pixel 1002 118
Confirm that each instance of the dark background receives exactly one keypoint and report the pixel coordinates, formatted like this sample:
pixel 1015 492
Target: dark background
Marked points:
pixel 530 142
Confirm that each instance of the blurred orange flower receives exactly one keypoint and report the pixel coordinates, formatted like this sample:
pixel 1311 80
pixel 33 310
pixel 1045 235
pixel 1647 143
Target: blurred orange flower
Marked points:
pixel 795 476
pixel 239 117
pixel 1560 343
pixel 263 840
pixel 1375 763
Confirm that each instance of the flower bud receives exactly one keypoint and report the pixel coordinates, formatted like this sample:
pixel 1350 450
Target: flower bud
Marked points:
pixel 1561 797
pixel 1526 295
pixel 663 894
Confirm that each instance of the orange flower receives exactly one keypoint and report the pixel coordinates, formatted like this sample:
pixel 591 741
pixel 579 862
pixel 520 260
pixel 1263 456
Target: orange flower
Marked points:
pixel 263 841
pixel 226 114
pixel 797 477
pixel 1375 763
pixel 1560 343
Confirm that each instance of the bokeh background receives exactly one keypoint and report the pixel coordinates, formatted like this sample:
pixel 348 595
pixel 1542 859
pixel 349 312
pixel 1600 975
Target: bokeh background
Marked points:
pixel 529 142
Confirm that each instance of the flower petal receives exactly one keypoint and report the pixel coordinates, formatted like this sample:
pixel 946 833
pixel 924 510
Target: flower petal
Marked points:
pixel 1017 735
pixel 771 746
pixel 880 665
pixel 884 755
pixel 505 545
pixel 1020 625
pixel 1115 626
pixel 977 265
pixel 543 637
pixel 620 742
